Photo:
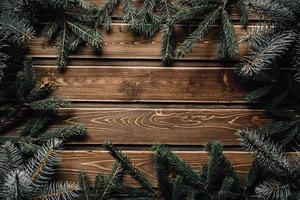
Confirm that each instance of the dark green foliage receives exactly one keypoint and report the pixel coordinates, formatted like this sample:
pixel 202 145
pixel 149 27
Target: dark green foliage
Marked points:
pixel 71 23
pixel 217 179
pixel 128 166
pixel 282 171
pixel 33 179
pixel 36 132
pixel 105 185
pixel 24 92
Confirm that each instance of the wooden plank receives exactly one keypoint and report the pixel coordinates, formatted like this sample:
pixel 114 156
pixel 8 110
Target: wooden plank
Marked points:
pixel 118 11
pixel 173 126
pixel 122 43
pixel 139 84
pixel 93 162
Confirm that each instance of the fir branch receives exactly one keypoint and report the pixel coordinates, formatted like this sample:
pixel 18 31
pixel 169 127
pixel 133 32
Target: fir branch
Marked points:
pixel 228 47
pixel 15 29
pixel 266 56
pixel 63 133
pixel 16 185
pixel 63 48
pixel 10 158
pixel 130 14
pixel 103 15
pixel 269 155
pixel 204 27
pixel 85 186
pixel 93 37
pixel 272 10
pixel 48 104
pixel 273 190
pixel 41 167
pixel 56 191
pixel 106 185
pixel 128 166
pixel 168 43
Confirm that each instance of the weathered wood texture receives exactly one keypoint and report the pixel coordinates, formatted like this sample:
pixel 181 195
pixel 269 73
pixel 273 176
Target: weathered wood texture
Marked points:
pixel 94 162
pixel 122 43
pixel 139 84
pixel 146 126
pixel 129 70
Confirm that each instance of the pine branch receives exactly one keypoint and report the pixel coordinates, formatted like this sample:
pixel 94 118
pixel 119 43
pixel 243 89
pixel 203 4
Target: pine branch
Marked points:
pixel 273 190
pixel 269 155
pixel 128 166
pixel 10 158
pixel 130 15
pixel 57 190
pixel 48 104
pixel 15 29
pixel 228 47
pixel 266 56
pixel 272 10
pixel 41 167
pixel 204 27
pixel 243 11
pixel 106 185
pixel 63 48
pixel 16 185
pixel 85 186
pixel 93 37
pixel 63 133
pixel 168 43
pixel 103 15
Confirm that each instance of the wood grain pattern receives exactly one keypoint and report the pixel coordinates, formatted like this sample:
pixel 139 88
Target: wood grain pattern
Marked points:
pixel 138 84
pixel 146 126
pixel 122 43
pixel 94 162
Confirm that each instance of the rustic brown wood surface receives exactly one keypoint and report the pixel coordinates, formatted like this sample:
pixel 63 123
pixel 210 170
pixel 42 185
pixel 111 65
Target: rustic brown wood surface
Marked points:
pixel 140 84
pixel 93 162
pixel 146 126
pixel 128 97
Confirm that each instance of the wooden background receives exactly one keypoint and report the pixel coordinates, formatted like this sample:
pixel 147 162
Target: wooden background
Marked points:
pixel 125 95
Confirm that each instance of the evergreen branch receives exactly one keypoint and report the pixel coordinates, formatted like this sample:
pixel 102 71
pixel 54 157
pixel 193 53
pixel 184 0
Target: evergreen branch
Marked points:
pixel 266 56
pixel 272 10
pixel 103 15
pixel 106 185
pixel 204 27
pixel 243 11
pixel 15 29
pixel 41 167
pixel 10 158
pixel 63 48
pixel 273 190
pixel 130 14
pixel 228 47
pixel 269 155
pixel 86 4
pixel 168 43
pixel 40 92
pixel 162 171
pixel 85 186
pixel 16 185
pixel 182 168
pixel 48 104
pixel 63 133
pixel 93 37
pixel 128 166
pixel 57 191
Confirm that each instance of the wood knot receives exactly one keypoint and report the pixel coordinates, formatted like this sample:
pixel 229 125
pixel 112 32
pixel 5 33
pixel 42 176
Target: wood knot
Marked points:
pixel 132 90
